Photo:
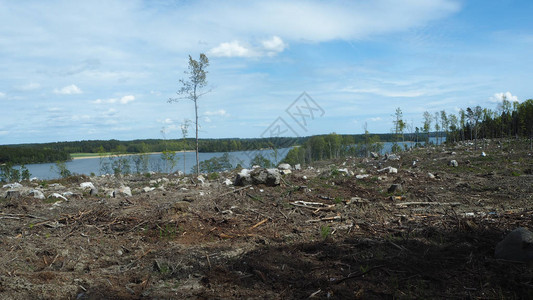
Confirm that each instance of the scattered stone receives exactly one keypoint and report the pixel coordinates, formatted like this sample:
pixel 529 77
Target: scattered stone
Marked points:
pixel 304 177
pixel 395 188
pixel 362 176
pixel 14 185
pixel 297 167
pixel 36 194
pixel 284 167
pixel 453 163
pixel 344 171
pixel 388 170
pixel 153 182
pixel 431 176
pixel 270 177
pixel 414 163
pixel 201 179
pixel 111 193
pixel 243 178
pixel 516 246
pixel 165 180
pixel 483 154
pixel 374 155
pixel 93 192
pixel 285 172
pixel 227 182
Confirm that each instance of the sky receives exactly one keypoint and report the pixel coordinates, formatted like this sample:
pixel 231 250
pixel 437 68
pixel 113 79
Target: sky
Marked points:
pixel 85 70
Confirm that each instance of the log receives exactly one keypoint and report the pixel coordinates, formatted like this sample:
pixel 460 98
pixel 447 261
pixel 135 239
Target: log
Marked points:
pixel 428 203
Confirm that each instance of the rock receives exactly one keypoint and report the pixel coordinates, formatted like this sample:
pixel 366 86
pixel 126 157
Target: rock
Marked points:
pixel 431 176
pixel 13 194
pixel 125 191
pixel 153 182
pixel 270 177
pixel 362 176
pixel 58 196
pixel 284 167
pixel 14 185
pixel 297 167
pixel 285 172
pixel 395 188
pixel 147 189
pixel 392 157
pixel 165 180
pixel 111 193
pixel 483 154
pixel 374 155
pixel 94 192
pixel 36 194
pixel 243 178
pixel 227 182
pixel 87 185
pixel 413 164
pixel 201 179
pixel 344 171
pixel 388 170
pixel 516 246
pixel 304 177
pixel 453 163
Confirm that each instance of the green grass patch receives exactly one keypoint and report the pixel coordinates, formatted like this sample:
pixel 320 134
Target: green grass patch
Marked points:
pixel 82 155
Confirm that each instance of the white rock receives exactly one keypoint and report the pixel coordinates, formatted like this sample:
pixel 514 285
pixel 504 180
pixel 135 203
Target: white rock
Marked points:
pixel 389 170
pixel 228 182
pixel 483 154
pixel 125 190
pixel 285 172
pixel 344 170
pixel 153 182
pixel 147 189
pixel 453 163
pixel 362 176
pixel 431 176
pixel 201 179
pixel 304 177
pixel 87 185
pixel 165 180
pixel 284 167
pixel 58 196
pixel 14 185
pixel 36 194
pixel 297 167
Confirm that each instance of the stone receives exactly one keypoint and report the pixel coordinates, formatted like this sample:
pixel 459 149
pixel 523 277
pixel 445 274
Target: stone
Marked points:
pixel 284 167
pixel 395 188
pixel 93 192
pixel 243 178
pixel 36 194
pixel 431 176
pixel 147 189
pixel 285 172
pixel 14 185
pixel 362 176
pixel 227 182
pixel 297 167
pixel 58 196
pixel 344 171
pixel 270 177
pixel 201 179
pixel 374 155
pixel 388 170
pixel 125 191
pixel 453 163
pixel 483 154
pixel 392 157
pixel 516 246
pixel 13 194
pixel 87 185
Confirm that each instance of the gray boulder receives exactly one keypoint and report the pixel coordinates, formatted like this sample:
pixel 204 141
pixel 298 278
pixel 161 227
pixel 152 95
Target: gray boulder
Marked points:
pixel 374 155
pixel 270 177
pixel 453 163
pixel 395 188
pixel 516 246
pixel 36 194
pixel 284 167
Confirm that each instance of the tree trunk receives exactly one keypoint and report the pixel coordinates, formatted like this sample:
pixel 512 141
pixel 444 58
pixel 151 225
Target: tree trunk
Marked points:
pixel 197 156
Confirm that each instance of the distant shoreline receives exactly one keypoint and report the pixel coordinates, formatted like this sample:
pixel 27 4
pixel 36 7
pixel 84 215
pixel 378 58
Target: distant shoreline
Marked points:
pixel 124 154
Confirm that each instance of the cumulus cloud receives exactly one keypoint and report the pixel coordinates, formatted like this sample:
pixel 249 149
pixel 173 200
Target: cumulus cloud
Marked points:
pixel 268 47
pixel 274 45
pixel 219 112
pixel 68 90
pixel 231 49
pixel 123 100
pixel 498 97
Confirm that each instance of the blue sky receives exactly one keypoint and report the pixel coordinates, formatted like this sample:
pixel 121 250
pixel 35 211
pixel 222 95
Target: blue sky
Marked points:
pixel 79 70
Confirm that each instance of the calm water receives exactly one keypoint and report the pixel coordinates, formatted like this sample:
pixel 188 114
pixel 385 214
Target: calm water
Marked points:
pixel 155 163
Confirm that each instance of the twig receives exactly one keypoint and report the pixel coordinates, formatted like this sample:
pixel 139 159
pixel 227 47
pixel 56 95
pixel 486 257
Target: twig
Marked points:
pixel 208 261
pixel 428 203
pixel 335 218
pixel 351 276
pixel 258 224
pixel 314 294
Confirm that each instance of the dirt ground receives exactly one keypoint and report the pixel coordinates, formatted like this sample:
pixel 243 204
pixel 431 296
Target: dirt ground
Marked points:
pixel 217 241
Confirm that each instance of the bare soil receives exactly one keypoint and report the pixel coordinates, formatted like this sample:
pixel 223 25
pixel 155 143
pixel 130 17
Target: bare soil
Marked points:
pixel 214 241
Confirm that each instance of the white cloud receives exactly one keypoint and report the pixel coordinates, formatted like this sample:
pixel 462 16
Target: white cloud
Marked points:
pixel 123 100
pixel 231 49
pixel 207 119
pixel 375 119
pixel 219 112
pixel 274 45
pixel 386 92
pixel 498 97
pixel 2 95
pixel 68 90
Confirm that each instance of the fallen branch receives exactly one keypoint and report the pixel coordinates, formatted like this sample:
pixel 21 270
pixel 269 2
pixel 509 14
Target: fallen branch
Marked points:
pixel 351 276
pixel 403 204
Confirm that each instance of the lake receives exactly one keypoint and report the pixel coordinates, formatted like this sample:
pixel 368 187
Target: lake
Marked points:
pixel 155 163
